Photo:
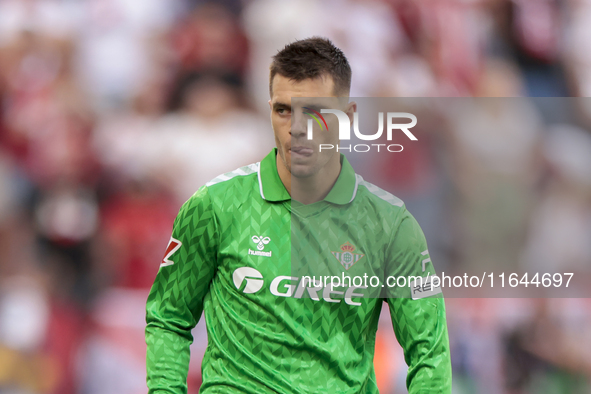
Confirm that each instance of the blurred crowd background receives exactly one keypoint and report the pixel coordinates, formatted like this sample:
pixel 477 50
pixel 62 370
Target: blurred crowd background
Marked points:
pixel 113 112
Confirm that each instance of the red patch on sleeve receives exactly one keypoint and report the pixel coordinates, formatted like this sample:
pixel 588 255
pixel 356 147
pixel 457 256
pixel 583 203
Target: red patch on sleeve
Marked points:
pixel 173 246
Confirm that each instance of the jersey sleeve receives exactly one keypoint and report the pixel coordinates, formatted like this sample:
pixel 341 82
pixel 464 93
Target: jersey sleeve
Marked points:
pixel 419 324
pixel 175 301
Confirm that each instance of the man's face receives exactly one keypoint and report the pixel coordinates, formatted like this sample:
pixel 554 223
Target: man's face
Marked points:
pixel 301 157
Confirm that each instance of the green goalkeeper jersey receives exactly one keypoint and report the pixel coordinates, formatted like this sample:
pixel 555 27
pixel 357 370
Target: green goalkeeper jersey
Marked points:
pixel 255 263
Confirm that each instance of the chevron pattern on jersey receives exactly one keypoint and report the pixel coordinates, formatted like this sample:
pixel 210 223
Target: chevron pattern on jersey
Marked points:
pixel 267 331
pixel 175 302
pixel 417 324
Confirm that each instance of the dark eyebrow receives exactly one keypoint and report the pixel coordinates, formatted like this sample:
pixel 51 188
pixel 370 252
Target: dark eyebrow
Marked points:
pixel 313 107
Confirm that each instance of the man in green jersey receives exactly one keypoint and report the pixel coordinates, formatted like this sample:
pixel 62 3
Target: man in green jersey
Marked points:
pixel 247 249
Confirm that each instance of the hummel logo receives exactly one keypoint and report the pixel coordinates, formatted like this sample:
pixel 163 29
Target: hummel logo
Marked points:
pixel 261 242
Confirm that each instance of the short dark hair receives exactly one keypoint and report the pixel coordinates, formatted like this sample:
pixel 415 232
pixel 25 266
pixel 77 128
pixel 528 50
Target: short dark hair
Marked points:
pixel 312 58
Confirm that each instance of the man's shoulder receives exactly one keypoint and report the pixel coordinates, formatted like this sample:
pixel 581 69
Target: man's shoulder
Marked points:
pixel 239 175
pixel 368 192
pixel 387 210
pixel 229 186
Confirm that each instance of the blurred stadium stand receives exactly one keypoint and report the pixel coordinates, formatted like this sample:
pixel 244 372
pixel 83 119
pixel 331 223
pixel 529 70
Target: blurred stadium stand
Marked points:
pixel 113 112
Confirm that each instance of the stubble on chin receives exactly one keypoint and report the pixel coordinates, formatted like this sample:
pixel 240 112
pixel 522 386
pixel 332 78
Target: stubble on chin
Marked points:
pixel 302 171
pixel 284 160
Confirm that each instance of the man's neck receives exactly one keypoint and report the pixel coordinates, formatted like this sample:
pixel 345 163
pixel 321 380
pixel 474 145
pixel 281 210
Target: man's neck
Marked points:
pixel 310 189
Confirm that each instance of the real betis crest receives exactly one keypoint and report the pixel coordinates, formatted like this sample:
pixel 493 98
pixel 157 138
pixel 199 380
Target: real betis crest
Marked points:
pixel 346 256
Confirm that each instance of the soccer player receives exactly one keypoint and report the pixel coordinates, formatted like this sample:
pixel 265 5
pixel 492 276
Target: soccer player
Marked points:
pixel 236 241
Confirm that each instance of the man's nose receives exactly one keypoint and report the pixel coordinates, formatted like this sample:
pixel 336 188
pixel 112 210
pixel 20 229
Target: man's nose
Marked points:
pixel 298 123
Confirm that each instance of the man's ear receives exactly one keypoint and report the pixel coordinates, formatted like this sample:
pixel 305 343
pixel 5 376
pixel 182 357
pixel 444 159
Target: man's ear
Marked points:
pixel 270 105
pixel 350 110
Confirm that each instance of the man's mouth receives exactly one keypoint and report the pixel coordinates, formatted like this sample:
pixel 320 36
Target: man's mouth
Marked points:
pixel 302 150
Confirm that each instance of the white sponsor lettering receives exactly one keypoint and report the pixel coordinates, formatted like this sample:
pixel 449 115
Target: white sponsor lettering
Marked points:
pixel 293 286
pixel 274 288
pixel 254 279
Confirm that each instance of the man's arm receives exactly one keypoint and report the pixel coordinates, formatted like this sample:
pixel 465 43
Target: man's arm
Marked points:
pixel 175 302
pixel 420 325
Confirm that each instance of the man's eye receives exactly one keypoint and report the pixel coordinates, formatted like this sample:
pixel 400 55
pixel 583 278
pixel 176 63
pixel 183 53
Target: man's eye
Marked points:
pixel 283 111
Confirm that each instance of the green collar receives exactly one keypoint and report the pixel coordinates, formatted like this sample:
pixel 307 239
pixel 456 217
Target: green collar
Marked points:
pixel 272 189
